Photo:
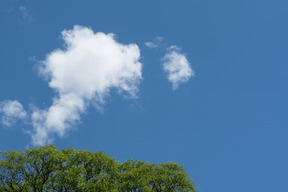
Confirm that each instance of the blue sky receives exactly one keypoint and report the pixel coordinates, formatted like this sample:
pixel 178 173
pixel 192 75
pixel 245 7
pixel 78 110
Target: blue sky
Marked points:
pixel 227 123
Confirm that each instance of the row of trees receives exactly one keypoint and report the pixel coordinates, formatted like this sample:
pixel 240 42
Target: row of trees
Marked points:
pixel 49 169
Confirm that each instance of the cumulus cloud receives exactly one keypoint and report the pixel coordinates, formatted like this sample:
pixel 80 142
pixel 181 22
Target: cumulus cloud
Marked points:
pixel 177 67
pixel 11 112
pixel 155 43
pixel 84 73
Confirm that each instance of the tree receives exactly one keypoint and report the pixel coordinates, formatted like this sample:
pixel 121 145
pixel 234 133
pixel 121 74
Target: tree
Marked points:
pixel 49 169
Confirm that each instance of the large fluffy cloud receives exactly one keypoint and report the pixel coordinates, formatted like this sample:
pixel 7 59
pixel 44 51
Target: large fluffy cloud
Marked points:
pixel 11 112
pixel 177 67
pixel 83 73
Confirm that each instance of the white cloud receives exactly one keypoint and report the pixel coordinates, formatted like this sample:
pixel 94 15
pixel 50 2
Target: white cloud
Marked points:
pixel 11 111
pixel 177 67
pixel 83 73
pixel 155 43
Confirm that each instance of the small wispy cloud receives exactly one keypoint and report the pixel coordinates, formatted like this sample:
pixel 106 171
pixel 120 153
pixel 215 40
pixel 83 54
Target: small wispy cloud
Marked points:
pixel 155 43
pixel 11 112
pixel 24 12
pixel 26 17
pixel 177 67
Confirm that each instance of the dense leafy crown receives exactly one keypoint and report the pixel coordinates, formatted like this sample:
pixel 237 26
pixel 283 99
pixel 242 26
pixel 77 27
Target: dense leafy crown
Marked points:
pixel 49 169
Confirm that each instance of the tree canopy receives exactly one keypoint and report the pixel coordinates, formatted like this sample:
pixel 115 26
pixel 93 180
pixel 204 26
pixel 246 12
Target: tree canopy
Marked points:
pixel 47 168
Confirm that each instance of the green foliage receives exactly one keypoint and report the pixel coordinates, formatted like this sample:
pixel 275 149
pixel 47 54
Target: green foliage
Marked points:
pixel 49 169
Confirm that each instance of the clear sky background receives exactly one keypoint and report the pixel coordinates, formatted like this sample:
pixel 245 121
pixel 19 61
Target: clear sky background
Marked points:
pixel 227 123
